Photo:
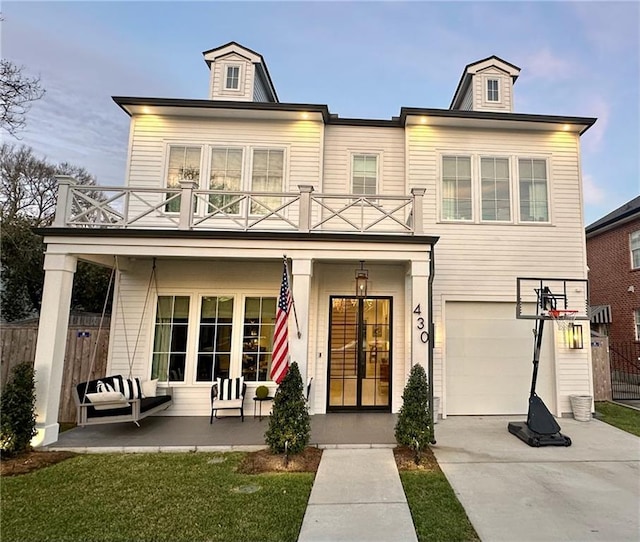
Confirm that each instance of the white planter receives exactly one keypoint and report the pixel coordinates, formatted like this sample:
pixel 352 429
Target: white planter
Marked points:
pixel 436 409
pixel 581 407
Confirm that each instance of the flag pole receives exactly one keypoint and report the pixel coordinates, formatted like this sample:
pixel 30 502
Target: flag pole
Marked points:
pixel 293 301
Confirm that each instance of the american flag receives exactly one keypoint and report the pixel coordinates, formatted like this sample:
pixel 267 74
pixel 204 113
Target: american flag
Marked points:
pixel 280 357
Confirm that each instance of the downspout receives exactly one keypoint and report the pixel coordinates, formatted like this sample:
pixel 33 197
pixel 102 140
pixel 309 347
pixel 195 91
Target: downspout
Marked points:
pixel 432 270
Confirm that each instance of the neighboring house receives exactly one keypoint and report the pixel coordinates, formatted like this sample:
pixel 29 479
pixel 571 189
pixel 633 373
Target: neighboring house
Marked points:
pixel 443 209
pixel 613 257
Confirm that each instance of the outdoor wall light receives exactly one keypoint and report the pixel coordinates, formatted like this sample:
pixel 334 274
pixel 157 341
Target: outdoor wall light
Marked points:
pixel 362 277
pixel 574 337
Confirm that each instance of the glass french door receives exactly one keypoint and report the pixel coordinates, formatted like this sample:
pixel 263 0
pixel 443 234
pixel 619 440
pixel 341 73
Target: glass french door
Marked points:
pixel 359 353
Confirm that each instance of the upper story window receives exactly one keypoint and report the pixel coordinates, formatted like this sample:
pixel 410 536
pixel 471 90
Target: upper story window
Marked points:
pixel 170 338
pixel 456 188
pixel 636 321
pixel 267 175
pixel 184 164
pixel 214 342
pixel 495 189
pixel 232 78
pixel 493 94
pixel 534 193
pixel 225 174
pixel 634 241
pixel 364 174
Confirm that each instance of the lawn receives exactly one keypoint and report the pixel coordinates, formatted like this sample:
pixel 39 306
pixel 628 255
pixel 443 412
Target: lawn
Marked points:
pixel 619 416
pixel 437 514
pixel 174 497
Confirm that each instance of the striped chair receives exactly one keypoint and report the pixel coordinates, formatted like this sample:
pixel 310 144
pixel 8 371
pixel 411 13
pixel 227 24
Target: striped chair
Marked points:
pixel 228 393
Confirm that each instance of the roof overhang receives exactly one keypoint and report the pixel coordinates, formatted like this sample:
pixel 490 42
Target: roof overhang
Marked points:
pixel 494 120
pixel 221 109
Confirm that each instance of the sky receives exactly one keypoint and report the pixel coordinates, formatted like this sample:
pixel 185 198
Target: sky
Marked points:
pixel 362 59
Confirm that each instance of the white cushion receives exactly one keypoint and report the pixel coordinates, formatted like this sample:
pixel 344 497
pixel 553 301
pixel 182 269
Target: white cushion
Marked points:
pixel 227 403
pixel 149 388
pixel 115 398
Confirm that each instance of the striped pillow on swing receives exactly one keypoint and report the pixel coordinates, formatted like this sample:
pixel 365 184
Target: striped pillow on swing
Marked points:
pixel 230 388
pixel 129 387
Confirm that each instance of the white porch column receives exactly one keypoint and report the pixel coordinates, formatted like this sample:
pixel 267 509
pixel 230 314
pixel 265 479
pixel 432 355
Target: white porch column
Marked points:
pixel 301 271
pixel 419 313
pixel 51 345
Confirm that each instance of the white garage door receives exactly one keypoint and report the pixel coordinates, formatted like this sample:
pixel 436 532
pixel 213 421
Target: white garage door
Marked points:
pixel 488 360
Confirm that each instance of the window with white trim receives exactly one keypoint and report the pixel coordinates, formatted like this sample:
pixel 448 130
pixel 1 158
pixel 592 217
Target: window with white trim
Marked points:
pixel 636 318
pixel 364 174
pixel 214 338
pixel 456 188
pixel 533 187
pixel 257 342
pixel 634 242
pixel 183 164
pixel 232 78
pixel 493 93
pixel 495 189
pixel 225 174
pixel 267 175
pixel 170 338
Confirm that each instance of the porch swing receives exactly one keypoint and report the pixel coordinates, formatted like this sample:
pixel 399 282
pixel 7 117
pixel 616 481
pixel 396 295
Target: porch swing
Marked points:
pixel 114 399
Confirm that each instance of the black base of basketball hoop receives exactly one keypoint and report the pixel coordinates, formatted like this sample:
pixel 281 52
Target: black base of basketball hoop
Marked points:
pixel 536 440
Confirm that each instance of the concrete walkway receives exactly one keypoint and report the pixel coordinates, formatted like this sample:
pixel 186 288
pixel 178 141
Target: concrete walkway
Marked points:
pixel 357 496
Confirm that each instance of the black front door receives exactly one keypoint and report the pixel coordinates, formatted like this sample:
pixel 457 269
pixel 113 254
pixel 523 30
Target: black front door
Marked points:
pixel 359 354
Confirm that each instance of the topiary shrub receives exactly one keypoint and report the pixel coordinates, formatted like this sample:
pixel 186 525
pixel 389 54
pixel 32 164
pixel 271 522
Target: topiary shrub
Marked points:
pixel 289 428
pixel 414 428
pixel 262 392
pixel 17 411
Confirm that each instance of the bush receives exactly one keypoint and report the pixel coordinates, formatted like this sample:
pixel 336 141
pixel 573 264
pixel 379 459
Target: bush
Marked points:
pixel 414 428
pixel 289 428
pixel 17 414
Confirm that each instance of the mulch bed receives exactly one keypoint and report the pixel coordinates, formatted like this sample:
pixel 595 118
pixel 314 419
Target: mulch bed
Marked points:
pixel 264 461
pixel 30 461
pixel 405 460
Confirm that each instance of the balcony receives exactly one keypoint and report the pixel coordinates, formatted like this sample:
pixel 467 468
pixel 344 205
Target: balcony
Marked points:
pixel 189 208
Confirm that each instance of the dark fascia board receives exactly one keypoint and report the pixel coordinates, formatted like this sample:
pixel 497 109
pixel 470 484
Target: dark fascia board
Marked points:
pixel 621 215
pixel 124 101
pixel 490 115
pixel 262 65
pixel 251 236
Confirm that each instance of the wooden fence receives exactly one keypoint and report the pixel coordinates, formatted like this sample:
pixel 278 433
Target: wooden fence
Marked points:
pixel 18 344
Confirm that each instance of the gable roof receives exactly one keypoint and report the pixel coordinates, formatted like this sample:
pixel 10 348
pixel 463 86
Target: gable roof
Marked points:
pixel 625 213
pixel 475 67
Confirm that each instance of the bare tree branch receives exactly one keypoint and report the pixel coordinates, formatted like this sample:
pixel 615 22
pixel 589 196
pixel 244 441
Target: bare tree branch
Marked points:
pixel 17 92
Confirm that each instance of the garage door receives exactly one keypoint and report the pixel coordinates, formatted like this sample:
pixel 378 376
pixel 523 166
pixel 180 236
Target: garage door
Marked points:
pixel 488 360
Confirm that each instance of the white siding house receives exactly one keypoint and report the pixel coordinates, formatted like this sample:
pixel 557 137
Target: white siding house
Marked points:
pixel 444 208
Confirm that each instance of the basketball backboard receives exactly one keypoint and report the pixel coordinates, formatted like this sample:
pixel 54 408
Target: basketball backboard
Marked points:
pixel 536 296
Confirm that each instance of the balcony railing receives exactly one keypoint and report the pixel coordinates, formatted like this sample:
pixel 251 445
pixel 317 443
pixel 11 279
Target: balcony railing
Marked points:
pixel 188 208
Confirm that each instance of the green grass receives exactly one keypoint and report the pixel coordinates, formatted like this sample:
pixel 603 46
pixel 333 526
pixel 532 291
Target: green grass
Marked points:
pixel 437 513
pixel 621 417
pixel 154 497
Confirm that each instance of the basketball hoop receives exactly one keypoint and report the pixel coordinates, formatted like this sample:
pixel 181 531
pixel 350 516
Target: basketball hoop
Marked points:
pixel 564 318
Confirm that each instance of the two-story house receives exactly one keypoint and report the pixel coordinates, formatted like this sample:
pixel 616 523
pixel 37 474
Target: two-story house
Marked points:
pixel 435 213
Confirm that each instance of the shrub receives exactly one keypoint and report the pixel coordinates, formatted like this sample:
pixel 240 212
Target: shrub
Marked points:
pixel 289 428
pixel 414 428
pixel 17 411
pixel 262 392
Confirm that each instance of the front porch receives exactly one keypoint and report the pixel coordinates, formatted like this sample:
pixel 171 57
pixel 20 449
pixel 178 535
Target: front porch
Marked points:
pixel 195 432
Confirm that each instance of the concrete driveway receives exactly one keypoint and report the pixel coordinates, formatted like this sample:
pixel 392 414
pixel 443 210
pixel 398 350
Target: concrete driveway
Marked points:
pixel 589 491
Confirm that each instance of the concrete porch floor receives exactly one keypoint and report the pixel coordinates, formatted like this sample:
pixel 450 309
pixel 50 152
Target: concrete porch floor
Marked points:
pixel 160 432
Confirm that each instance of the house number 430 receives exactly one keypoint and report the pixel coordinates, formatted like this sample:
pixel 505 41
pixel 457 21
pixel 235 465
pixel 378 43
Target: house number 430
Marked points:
pixel 421 325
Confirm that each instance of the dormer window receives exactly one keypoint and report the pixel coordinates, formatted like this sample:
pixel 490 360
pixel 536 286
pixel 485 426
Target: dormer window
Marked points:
pixel 493 94
pixel 232 79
